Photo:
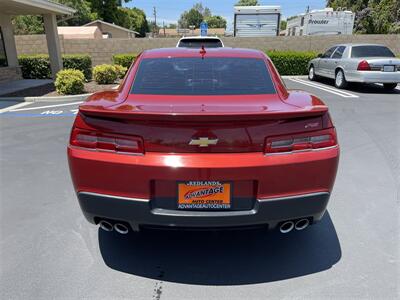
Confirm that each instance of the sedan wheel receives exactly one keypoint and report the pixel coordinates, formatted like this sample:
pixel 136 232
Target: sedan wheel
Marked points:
pixel 389 86
pixel 340 80
pixel 311 74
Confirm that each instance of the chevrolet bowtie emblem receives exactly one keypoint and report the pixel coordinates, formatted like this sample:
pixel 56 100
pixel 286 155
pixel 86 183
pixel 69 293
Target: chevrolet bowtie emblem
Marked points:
pixel 203 142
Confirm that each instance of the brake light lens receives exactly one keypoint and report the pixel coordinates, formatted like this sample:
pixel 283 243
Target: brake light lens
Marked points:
pixel 302 142
pixel 364 66
pixel 106 142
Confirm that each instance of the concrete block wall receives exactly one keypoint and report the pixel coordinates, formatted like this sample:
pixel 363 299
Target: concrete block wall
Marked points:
pixel 101 51
pixel 10 73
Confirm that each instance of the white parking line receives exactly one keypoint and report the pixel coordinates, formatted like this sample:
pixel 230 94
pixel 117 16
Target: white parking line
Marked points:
pixel 6 109
pixel 47 106
pixel 325 88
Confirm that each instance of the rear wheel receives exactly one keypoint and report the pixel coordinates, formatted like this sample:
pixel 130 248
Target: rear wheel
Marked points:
pixel 311 74
pixel 340 80
pixel 389 86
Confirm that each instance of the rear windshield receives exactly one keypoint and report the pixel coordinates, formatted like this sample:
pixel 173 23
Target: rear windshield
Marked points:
pixel 371 51
pixel 197 76
pixel 197 43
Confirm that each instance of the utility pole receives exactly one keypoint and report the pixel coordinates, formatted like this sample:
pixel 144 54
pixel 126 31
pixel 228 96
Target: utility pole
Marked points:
pixel 163 25
pixel 155 19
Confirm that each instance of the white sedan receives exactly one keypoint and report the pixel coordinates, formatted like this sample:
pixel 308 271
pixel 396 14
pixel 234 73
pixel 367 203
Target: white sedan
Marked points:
pixel 366 63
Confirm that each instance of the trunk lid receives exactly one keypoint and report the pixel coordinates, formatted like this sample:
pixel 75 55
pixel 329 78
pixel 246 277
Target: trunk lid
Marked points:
pixel 377 63
pixel 207 124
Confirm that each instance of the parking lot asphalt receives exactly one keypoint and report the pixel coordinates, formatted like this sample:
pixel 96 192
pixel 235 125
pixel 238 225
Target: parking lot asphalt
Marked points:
pixel 49 251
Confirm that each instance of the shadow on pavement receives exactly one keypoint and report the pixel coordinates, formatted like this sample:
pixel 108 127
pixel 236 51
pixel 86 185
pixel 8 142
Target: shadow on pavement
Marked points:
pixel 222 258
pixel 361 88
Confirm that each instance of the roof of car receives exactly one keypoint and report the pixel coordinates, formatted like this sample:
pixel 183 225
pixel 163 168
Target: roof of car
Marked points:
pixel 200 37
pixel 210 52
pixel 359 44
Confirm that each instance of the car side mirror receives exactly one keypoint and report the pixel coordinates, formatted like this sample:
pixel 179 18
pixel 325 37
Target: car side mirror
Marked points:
pixel 319 55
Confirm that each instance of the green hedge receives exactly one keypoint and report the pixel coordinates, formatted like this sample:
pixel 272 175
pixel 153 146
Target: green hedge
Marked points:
pixel 124 59
pixel 291 62
pixel 79 62
pixel 69 82
pixel 38 66
pixel 35 66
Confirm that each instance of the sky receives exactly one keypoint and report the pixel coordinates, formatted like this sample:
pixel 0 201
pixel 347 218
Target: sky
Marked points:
pixel 170 10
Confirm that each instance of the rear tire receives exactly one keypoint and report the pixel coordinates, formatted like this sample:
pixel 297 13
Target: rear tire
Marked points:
pixel 389 86
pixel 311 74
pixel 340 80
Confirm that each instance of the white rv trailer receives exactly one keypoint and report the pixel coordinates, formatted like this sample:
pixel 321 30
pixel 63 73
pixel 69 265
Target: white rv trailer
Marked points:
pixel 322 22
pixel 253 21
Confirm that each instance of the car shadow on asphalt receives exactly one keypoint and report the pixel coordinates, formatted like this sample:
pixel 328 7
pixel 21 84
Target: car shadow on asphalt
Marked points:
pixel 361 88
pixel 222 258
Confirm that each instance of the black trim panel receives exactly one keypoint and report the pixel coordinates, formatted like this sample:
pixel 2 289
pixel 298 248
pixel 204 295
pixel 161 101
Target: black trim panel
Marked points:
pixel 139 211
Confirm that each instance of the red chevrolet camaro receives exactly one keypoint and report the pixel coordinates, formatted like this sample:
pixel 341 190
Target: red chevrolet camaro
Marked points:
pixel 205 138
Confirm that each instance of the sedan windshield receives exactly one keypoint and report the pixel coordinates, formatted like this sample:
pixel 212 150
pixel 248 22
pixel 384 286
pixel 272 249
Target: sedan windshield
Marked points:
pixel 371 51
pixel 208 76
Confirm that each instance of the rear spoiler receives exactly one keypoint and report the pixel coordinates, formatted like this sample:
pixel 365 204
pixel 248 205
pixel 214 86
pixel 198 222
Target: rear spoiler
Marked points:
pixel 128 112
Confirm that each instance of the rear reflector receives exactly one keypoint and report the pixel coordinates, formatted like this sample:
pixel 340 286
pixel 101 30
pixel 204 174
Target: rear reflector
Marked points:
pixel 302 142
pixel 364 66
pixel 106 142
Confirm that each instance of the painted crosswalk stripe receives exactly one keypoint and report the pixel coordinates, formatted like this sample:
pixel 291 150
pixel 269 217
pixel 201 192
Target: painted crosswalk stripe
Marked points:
pixel 325 88
pixel 47 106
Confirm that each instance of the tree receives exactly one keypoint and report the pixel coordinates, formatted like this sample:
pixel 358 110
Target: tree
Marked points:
pixel 197 14
pixel 216 22
pixel 205 11
pixel 107 10
pixel 28 25
pixel 283 25
pixel 83 14
pixel 372 16
pixel 133 19
pixel 86 11
pixel 190 18
pixel 247 3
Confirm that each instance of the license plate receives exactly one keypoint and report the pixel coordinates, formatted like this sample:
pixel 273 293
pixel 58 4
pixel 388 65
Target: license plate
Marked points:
pixel 388 68
pixel 204 195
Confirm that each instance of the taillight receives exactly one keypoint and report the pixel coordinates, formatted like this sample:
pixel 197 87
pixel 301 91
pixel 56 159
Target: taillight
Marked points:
pixel 302 142
pixel 106 142
pixel 364 66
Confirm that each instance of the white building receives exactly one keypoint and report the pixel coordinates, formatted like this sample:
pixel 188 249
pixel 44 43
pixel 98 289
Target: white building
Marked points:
pixel 250 21
pixel 322 22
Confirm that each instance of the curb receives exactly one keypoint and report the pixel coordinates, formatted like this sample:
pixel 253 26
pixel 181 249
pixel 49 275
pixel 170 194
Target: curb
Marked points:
pixel 293 76
pixel 80 97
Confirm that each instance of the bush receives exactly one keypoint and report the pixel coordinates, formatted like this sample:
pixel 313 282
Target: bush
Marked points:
pixel 38 66
pixel 35 66
pixel 69 82
pixel 124 60
pixel 105 74
pixel 121 71
pixel 81 62
pixel 291 62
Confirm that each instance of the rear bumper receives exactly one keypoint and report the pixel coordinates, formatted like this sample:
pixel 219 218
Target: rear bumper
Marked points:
pixel 139 212
pixel 373 77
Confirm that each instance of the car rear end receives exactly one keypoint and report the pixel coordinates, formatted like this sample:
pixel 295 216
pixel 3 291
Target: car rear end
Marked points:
pixel 203 142
pixel 373 64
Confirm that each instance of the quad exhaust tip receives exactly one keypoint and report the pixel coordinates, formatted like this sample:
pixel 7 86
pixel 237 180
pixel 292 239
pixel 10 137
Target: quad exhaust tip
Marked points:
pixel 302 224
pixel 121 228
pixel 286 227
pixel 106 226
